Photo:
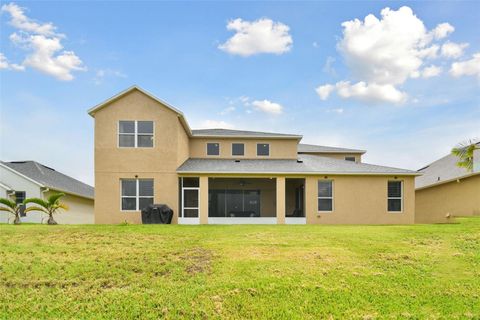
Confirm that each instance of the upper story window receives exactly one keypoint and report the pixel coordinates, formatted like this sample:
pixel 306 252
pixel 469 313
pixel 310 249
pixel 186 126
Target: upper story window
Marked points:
pixel 213 149
pixel 238 149
pixel 135 134
pixel 325 195
pixel 136 194
pixel 263 149
pixel 350 158
pixel 19 198
pixel 395 196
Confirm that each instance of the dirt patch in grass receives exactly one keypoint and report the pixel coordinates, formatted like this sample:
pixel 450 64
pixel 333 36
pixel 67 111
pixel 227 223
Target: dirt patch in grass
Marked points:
pixel 197 260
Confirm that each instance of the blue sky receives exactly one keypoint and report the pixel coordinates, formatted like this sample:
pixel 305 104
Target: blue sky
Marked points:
pixel 403 83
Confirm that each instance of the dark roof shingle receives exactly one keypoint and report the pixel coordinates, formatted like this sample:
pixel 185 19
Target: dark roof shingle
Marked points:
pixel 306 164
pixel 51 178
pixel 313 148
pixel 240 133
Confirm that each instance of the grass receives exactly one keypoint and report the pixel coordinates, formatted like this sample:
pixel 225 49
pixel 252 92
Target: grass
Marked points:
pixel 240 272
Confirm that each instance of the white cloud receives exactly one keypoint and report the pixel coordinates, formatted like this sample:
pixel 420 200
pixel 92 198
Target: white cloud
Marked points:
pixel 383 53
pixel 21 22
pixel 215 124
pixel 467 68
pixel 375 93
pixel 45 49
pixel 336 110
pixel 328 67
pixel 227 110
pixel 453 50
pixel 268 106
pixel 431 71
pixel 442 30
pixel 6 65
pixel 324 91
pixel 260 36
pixel 101 74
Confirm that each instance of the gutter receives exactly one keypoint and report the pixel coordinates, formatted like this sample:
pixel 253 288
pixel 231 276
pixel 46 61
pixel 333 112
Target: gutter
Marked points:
pixel 449 180
pixel 304 173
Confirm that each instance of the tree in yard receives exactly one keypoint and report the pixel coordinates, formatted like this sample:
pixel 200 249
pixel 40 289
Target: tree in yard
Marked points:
pixel 464 152
pixel 11 207
pixel 50 206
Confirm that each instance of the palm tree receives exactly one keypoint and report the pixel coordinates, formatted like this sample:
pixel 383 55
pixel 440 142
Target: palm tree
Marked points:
pixel 49 206
pixel 11 207
pixel 464 151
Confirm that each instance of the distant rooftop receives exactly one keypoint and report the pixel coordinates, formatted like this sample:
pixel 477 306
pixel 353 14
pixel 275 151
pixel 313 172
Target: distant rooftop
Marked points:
pixel 51 178
pixel 305 164
pixel 312 148
pixel 444 169
pixel 241 133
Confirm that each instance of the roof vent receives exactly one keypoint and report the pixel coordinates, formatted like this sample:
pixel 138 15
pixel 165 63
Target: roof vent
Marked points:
pixel 237 160
pixel 299 161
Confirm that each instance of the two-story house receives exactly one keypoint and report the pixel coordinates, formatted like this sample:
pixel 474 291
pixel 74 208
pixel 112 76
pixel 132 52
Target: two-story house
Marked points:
pixel 145 152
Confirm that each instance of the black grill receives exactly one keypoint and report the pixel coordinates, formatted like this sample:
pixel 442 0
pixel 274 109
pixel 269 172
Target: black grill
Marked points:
pixel 157 214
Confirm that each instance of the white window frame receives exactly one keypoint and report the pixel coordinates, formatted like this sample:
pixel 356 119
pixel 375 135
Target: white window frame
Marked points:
pixel 135 134
pixel 256 151
pixel 137 191
pixel 213 155
pixel 396 198
pixel 331 198
pixel 244 149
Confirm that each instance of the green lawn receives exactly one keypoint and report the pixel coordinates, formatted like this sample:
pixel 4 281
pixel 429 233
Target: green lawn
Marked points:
pixel 204 272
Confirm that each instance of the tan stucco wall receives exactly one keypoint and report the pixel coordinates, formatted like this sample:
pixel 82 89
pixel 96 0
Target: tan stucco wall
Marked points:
pixel 113 163
pixel 279 149
pixel 341 156
pixel 359 200
pixel 80 210
pixel 460 198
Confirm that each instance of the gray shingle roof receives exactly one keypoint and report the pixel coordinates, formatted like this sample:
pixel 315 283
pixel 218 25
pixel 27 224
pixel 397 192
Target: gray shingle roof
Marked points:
pixel 312 148
pixel 50 178
pixel 443 169
pixel 240 133
pixel 309 164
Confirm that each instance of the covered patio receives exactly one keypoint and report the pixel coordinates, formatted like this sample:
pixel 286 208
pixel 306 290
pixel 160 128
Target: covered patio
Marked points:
pixel 241 200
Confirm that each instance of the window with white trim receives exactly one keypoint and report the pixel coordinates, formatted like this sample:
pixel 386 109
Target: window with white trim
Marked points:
pixel 395 196
pixel 325 195
pixel 263 149
pixel 213 149
pixel 135 134
pixel 238 149
pixel 136 194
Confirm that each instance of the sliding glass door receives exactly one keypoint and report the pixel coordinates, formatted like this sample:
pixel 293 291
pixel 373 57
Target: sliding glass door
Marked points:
pixel 234 203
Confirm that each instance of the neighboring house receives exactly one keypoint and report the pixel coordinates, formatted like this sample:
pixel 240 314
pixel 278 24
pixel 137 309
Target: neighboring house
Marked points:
pixel 29 179
pixel 145 152
pixel 445 190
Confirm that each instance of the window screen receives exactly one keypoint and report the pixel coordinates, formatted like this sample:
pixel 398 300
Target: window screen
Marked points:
pixel 136 194
pixel 213 149
pixel 238 149
pixel 395 194
pixel 263 149
pixel 350 159
pixel 325 195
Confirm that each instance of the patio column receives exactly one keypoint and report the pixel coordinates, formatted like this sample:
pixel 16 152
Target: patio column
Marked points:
pixel 203 200
pixel 280 200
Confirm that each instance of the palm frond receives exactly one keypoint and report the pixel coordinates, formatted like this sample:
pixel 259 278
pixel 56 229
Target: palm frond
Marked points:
pixel 464 152
pixel 62 206
pixel 37 201
pixel 8 203
pixel 36 208
pixel 54 197
pixel 7 209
